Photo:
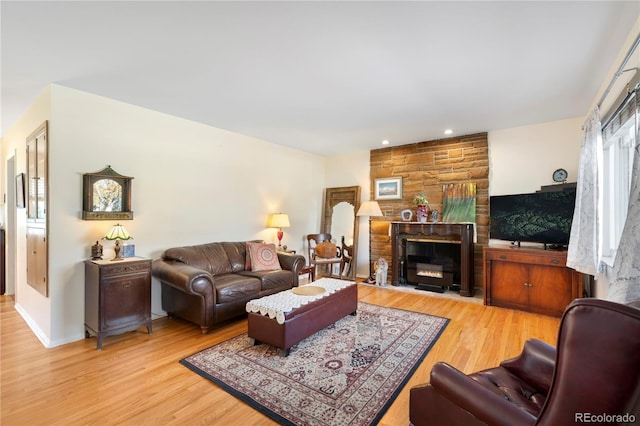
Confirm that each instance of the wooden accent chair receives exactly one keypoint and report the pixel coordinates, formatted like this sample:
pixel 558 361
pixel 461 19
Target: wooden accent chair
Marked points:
pixel 347 260
pixel 321 254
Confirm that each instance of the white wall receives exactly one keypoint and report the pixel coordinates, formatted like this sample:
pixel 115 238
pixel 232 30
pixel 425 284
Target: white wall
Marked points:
pixel 522 159
pixel 192 184
pixel 33 306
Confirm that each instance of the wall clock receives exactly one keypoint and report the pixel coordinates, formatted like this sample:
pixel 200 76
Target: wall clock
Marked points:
pixel 560 175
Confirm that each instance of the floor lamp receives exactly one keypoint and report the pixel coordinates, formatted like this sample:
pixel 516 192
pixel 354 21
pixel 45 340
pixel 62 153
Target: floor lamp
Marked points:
pixel 369 208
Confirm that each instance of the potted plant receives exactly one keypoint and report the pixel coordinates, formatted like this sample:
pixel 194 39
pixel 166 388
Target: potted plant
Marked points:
pixel 422 210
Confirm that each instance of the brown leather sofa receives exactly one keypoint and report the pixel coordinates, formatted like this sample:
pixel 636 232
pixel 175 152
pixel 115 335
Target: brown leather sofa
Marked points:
pixel 209 283
pixel 594 371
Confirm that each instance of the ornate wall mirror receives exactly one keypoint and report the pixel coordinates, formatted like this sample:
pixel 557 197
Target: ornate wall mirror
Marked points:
pixel 339 220
pixel 106 195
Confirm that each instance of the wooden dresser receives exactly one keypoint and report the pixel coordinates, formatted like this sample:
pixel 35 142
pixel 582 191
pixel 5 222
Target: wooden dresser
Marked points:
pixel 117 296
pixel 529 279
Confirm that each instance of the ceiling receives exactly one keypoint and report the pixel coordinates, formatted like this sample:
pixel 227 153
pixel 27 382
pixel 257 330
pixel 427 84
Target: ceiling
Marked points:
pixel 324 77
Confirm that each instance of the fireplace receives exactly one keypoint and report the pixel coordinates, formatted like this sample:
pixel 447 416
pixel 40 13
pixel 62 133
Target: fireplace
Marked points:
pixel 432 264
pixel 433 256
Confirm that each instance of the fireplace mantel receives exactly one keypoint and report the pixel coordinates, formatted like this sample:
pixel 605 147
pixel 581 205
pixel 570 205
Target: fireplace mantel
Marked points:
pixel 461 233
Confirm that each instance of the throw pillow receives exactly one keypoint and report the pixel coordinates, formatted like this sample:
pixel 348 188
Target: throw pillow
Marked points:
pixel 264 257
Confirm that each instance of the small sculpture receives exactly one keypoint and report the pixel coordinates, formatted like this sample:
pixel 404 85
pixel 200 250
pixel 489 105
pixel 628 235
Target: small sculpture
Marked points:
pixel 96 251
pixel 406 215
pixel 382 267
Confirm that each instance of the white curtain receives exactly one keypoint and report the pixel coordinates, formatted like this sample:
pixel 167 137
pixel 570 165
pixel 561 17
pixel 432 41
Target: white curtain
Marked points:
pixel 624 286
pixel 585 241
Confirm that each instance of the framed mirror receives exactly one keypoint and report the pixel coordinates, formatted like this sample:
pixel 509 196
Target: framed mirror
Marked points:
pixel 339 219
pixel 106 195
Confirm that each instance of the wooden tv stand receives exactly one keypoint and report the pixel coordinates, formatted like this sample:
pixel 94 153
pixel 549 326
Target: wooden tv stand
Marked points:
pixel 529 279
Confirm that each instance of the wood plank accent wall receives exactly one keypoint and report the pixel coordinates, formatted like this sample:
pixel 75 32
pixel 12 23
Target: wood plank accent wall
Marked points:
pixel 427 166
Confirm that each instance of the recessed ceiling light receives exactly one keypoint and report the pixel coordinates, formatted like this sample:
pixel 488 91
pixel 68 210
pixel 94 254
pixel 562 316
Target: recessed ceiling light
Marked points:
pixel 448 132
pixel 385 142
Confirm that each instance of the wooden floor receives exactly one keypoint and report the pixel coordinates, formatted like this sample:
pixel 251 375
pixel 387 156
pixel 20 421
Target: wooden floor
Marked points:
pixel 136 379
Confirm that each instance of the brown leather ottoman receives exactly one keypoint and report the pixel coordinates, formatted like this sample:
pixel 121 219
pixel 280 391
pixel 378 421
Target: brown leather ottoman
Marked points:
pixel 302 322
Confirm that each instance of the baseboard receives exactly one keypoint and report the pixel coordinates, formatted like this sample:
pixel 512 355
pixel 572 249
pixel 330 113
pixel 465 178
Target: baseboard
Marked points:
pixel 46 342
pixel 33 326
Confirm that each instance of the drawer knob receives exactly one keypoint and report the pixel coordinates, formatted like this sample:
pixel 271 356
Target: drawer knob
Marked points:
pixel 126 284
pixel 503 256
pixel 555 261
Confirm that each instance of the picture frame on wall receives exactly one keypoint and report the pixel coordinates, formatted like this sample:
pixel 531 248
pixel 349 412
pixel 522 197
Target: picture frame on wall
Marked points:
pixel 388 189
pixel 20 202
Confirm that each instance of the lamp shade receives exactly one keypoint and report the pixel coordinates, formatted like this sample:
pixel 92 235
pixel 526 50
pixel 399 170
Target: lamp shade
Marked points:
pixel 118 232
pixel 278 220
pixel 369 208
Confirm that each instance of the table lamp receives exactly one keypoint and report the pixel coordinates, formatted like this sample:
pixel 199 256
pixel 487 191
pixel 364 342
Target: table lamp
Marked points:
pixel 117 233
pixel 279 220
pixel 369 208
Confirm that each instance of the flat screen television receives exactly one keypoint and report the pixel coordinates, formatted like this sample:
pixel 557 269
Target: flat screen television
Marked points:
pixel 539 217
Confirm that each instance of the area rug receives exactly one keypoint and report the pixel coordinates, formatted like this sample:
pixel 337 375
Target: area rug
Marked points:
pixel 347 374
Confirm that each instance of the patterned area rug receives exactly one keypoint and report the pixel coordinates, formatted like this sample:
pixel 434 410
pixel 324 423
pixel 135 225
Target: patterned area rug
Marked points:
pixel 347 374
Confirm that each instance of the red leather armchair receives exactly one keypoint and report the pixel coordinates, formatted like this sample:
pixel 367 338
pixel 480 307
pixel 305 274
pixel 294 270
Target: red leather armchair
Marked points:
pixel 594 371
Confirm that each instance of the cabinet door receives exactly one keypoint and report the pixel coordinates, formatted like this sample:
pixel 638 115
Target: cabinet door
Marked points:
pixel 508 287
pixel 36 204
pixel 549 289
pixel 125 300
pixel 37 259
pixel 37 173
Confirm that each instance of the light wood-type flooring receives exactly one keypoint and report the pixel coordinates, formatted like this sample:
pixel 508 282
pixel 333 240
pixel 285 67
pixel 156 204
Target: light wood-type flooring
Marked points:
pixel 136 379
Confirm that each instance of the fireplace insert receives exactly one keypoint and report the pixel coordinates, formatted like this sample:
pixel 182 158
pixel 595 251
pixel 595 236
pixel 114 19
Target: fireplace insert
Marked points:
pixel 432 264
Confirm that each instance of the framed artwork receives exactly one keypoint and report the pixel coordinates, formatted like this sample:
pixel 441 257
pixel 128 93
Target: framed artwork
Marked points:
pixel 20 191
pixel 459 202
pixel 106 196
pixel 388 189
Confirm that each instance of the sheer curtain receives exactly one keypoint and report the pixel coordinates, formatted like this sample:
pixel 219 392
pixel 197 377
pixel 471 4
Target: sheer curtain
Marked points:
pixel 585 241
pixel 624 285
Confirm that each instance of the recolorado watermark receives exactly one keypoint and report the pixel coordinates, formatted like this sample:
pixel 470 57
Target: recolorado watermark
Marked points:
pixel 604 418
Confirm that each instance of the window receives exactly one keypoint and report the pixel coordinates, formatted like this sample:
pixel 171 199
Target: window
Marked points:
pixel 619 135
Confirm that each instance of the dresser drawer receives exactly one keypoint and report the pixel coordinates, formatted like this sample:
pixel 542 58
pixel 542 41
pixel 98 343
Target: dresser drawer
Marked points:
pixel 119 268
pixel 549 259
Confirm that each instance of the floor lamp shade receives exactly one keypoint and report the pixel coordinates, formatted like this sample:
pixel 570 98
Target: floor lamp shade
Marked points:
pixel 369 208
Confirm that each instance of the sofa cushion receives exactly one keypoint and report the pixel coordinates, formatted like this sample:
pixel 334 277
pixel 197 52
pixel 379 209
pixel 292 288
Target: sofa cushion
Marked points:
pixel 264 257
pixel 210 257
pixel 233 287
pixel 271 280
pixel 237 253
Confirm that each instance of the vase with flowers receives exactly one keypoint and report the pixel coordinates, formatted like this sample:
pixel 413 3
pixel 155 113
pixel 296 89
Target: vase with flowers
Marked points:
pixel 422 207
